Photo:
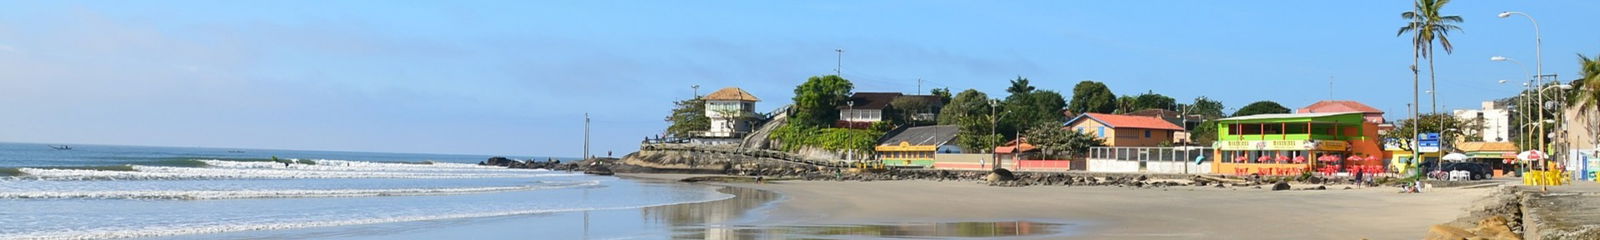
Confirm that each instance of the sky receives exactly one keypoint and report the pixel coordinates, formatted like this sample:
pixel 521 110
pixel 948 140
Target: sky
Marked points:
pixel 517 77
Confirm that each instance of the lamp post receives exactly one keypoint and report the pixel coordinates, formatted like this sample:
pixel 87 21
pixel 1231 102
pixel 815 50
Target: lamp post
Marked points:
pixel 993 122
pixel 1520 99
pixel 1538 44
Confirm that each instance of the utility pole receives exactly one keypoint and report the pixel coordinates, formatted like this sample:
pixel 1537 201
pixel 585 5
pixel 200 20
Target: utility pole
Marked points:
pixel 1330 87
pixel 919 86
pixel 838 64
pixel 586 136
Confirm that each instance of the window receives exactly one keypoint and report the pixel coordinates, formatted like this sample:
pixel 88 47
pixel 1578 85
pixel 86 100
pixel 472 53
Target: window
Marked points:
pixel 1146 133
pixel 1102 131
pixel 1080 129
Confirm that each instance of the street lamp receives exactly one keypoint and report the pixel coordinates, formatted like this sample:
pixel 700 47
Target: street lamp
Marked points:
pixel 1538 53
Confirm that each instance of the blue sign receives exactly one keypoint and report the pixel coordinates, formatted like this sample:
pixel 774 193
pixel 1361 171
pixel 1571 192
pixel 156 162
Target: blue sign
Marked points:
pixel 1428 142
pixel 1428 136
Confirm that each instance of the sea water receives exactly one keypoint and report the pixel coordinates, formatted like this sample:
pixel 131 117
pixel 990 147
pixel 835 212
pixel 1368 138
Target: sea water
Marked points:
pixel 98 192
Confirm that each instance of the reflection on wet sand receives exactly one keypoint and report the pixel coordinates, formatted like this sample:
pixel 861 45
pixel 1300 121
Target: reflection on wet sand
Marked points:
pixel 902 230
pixel 716 220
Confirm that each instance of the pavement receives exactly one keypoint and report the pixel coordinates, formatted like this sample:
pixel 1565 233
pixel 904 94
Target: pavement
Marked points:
pixel 1565 212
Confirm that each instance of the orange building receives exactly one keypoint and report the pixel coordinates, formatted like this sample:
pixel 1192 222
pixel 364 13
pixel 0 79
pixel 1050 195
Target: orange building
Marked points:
pixel 1125 130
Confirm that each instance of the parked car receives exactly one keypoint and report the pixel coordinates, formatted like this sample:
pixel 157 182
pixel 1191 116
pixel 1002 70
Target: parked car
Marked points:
pixel 1479 171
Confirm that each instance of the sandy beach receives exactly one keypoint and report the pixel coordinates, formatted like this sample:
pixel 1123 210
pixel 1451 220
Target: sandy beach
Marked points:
pixel 1123 213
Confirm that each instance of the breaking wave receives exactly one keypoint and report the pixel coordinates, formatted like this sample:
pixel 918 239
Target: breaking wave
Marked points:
pixel 224 169
pixel 131 232
pixel 276 193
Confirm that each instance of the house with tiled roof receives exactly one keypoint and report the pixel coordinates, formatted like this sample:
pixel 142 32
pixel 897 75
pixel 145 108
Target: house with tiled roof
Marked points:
pixel 732 112
pixel 1125 130
pixel 865 108
pixel 1371 114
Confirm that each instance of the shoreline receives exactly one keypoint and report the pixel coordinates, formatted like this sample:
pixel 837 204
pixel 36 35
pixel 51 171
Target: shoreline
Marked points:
pixel 1098 212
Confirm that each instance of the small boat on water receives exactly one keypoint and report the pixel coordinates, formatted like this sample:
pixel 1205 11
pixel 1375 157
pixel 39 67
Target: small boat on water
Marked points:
pixel 61 147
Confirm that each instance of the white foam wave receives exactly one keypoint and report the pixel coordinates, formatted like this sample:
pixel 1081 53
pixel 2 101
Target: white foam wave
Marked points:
pixel 220 228
pixel 343 165
pixel 275 193
pixel 172 173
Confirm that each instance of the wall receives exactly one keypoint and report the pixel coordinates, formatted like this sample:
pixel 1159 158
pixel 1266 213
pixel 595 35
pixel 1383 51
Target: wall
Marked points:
pixel 1108 165
pixel 962 161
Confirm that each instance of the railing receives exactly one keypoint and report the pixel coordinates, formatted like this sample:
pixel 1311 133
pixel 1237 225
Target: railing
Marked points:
pixel 1148 154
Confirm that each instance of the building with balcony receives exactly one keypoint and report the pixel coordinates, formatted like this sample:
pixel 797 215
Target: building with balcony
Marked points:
pixel 1494 120
pixel 732 112
pixel 1290 144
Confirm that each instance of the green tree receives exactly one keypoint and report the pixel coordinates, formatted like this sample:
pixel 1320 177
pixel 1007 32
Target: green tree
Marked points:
pixel 688 116
pixel 1206 108
pixel 1151 99
pixel 908 108
pixel 1019 86
pixel 942 93
pixel 1449 127
pixel 1262 107
pixel 817 101
pixel 1092 96
pixel 1027 107
pixel 967 104
pixel 1057 142
pixel 1125 104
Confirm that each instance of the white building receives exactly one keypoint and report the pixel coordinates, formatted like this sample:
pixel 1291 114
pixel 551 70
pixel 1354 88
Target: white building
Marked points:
pixel 731 110
pixel 865 108
pixel 1495 119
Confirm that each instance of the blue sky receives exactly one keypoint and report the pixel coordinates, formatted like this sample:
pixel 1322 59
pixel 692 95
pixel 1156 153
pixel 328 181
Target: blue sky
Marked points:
pixel 516 77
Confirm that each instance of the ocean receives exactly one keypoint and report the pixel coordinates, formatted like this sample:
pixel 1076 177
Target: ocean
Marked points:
pixel 100 192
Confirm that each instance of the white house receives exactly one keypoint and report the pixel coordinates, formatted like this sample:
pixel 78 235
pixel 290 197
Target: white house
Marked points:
pixel 865 108
pixel 731 110
pixel 1496 121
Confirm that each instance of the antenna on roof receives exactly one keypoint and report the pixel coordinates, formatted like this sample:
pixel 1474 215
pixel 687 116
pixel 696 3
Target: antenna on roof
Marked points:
pixel 1330 87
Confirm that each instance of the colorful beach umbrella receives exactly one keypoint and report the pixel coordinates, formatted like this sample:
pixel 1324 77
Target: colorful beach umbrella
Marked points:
pixel 1531 155
pixel 1458 157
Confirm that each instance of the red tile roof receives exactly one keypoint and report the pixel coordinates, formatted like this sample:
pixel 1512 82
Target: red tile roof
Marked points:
pixel 1011 146
pixel 1333 106
pixel 1127 121
pixel 732 94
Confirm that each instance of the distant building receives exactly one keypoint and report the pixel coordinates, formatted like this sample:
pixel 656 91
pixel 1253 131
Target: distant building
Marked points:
pixel 1494 119
pixel 916 146
pixel 732 112
pixel 865 108
pixel 1125 130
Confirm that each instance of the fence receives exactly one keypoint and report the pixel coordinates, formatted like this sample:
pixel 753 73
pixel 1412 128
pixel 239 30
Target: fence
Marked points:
pixel 1149 159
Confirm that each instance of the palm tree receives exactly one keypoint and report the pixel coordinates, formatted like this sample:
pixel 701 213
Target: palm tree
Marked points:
pixel 1587 88
pixel 1426 25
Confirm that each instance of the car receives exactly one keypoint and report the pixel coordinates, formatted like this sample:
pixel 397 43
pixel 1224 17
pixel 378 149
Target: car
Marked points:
pixel 1478 171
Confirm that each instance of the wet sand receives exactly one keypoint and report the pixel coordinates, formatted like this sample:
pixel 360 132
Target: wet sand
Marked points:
pixel 1121 213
